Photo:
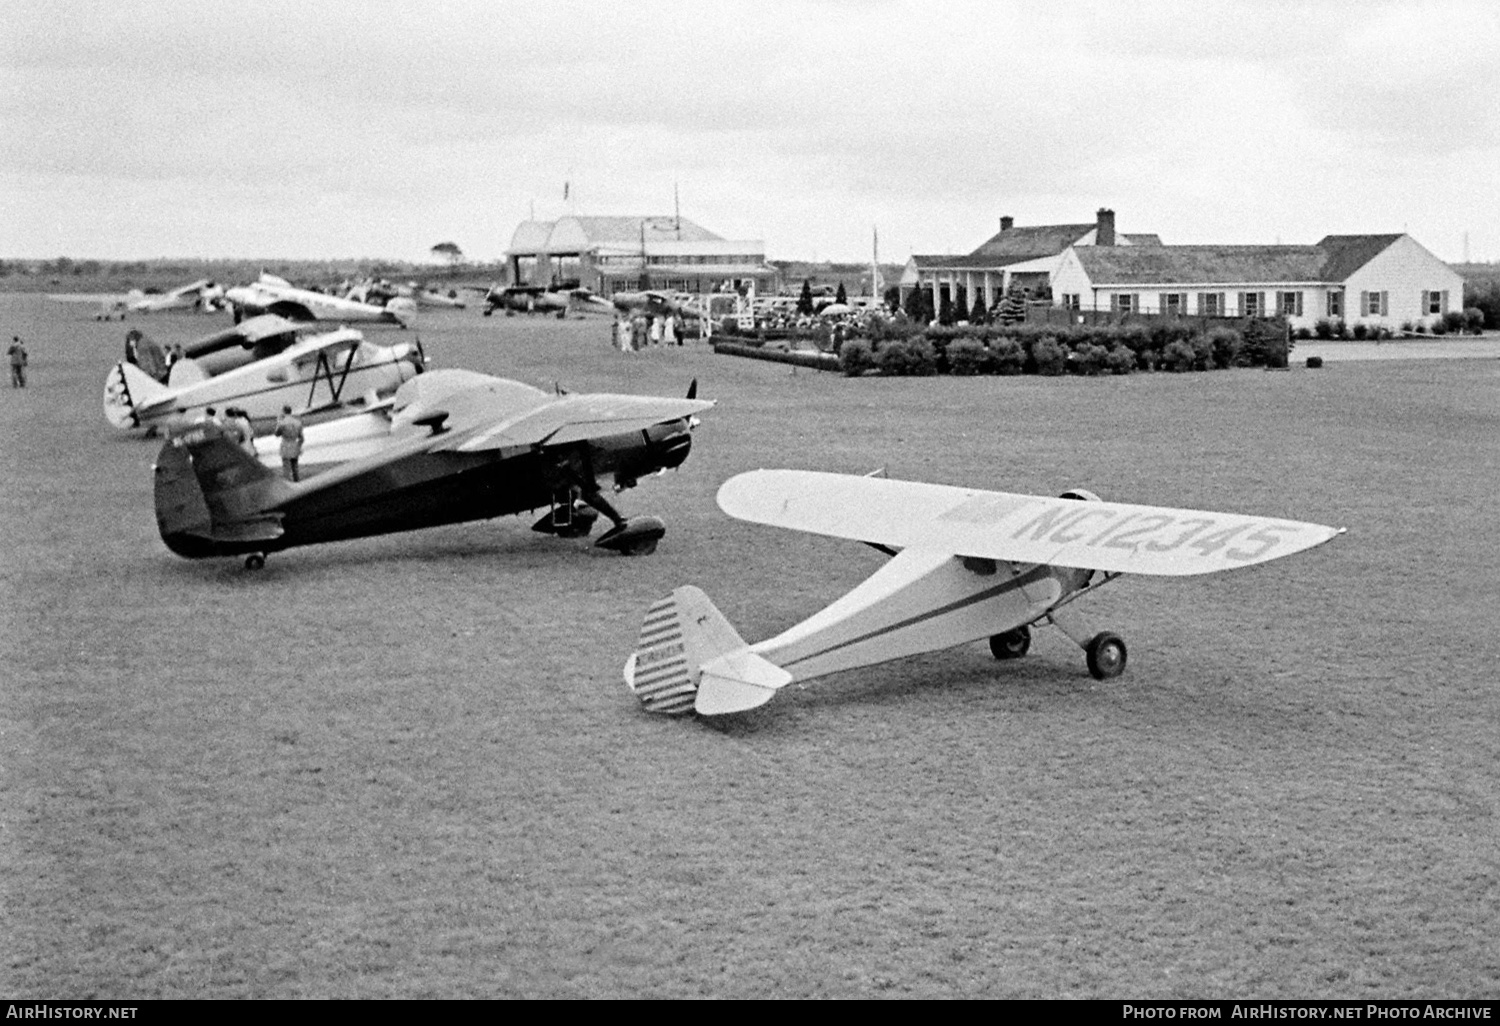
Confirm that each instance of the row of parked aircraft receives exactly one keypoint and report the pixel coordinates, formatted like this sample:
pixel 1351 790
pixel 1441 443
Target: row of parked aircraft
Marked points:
pixel 396 446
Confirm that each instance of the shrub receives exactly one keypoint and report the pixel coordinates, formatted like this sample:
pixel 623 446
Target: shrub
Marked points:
pixel 1406 327
pixel 1120 360
pixel 1314 362
pixel 1303 334
pixel 1474 320
pixel 1048 356
pixel 1420 329
pixel 1224 346
pixel 1439 326
pixel 1087 358
pixel 912 358
pixel 1323 328
pixel 1178 356
pixel 1361 330
pixel 967 357
pixel 1265 342
pixel 856 357
pixel 1008 356
pixel 1453 320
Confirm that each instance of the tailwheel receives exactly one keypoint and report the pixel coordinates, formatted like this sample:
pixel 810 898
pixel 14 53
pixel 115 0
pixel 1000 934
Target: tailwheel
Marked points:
pixel 1106 655
pixel 255 561
pixel 1012 644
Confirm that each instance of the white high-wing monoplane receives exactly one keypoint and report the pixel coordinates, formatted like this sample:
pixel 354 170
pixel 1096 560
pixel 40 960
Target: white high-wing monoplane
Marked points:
pixel 967 565
pixel 270 294
pixel 200 295
pixel 321 372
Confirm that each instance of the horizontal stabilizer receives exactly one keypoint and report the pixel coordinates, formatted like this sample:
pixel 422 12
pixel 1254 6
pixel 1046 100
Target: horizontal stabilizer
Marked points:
pixel 738 682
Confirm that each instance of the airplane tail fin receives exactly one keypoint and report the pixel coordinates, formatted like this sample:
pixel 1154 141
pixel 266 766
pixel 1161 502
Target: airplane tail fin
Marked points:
pixel 126 388
pixel 402 310
pixel 186 372
pixel 690 658
pixel 211 496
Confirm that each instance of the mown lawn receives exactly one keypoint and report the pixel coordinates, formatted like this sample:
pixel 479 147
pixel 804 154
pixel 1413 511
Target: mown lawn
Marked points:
pixel 408 767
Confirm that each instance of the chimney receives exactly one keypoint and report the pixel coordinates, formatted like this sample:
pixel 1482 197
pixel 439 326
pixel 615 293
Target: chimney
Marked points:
pixel 1105 235
pixel 1006 223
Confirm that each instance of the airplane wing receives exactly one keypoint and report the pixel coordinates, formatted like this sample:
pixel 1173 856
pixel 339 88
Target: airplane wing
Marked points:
pixel 567 419
pixel 1110 536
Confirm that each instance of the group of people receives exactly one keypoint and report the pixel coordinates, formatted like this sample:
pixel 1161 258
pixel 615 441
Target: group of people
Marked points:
pixel 18 360
pixel 632 334
pixel 237 427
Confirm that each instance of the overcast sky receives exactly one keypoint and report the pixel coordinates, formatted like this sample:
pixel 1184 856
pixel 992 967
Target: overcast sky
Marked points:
pixel 310 129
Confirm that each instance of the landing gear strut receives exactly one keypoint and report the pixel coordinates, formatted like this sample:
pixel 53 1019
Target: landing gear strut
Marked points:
pixel 255 561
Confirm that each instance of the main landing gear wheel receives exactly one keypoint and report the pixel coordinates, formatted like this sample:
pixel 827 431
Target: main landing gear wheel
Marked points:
pixel 255 561
pixel 1012 644
pixel 1106 655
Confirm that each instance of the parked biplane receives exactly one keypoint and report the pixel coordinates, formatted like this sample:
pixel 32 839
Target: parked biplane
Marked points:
pixel 966 565
pixel 272 294
pixel 317 374
pixel 450 447
pixel 254 338
pixel 199 295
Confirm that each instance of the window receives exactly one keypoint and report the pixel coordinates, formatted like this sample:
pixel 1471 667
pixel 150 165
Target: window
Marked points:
pixel 1211 304
pixel 1174 303
pixel 1072 301
pixel 1125 302
pixel 1374 304
pixel 1289 304
pixel 1252 304
pixel 1434 302
pixel 1335 304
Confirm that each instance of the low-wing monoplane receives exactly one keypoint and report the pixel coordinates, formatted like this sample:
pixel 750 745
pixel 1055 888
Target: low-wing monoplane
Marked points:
pixel 543 299
pixel 317 374
pixel 452 446
pixel 272 294
pixel 966 565
pixel 199 295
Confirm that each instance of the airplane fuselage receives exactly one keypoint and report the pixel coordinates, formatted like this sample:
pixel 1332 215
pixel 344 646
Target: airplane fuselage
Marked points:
pixel 406 488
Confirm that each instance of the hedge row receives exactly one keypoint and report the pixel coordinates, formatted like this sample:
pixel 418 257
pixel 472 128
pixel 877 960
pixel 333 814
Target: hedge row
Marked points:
pixel 1040 349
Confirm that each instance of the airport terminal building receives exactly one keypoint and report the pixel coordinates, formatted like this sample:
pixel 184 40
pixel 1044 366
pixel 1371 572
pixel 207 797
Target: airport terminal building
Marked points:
pixel 624 254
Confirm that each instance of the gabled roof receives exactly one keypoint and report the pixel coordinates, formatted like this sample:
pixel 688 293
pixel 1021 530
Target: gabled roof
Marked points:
pixel 1348 253
pixel 1185 265
pixel 1332 260
pixel 1016 244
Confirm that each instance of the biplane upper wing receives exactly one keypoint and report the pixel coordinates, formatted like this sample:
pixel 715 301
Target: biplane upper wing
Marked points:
pixel 1109 536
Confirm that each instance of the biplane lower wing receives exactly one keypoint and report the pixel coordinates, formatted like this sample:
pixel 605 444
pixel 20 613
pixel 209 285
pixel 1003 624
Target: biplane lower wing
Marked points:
pixel 1114 537
pixel 967 565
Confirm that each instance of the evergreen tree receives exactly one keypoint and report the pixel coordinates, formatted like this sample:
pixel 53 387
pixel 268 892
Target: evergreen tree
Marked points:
pixel 804 301
pixel 979 315
pixel 841 296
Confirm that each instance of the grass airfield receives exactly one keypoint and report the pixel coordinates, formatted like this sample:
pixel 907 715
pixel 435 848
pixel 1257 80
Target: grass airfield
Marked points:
pixel 407 766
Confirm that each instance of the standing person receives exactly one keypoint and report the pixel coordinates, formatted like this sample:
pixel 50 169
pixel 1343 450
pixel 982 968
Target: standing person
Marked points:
pixel 656 331
pixel 638 332
pixel 17 354
pixel 289 430
pixel 238 422
pixel 669 332
pixel 622 334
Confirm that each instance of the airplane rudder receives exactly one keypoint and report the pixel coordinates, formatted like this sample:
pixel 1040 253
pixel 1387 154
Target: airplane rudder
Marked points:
pixel 679 633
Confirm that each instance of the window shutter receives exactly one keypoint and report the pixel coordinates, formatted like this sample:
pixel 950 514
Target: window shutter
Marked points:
pixel 1364 303
pixel 1385 303
pixel 1445 301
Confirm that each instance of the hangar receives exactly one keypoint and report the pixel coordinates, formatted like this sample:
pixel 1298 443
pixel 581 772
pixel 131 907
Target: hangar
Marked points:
pixel 621 254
